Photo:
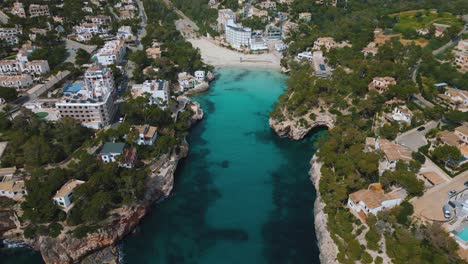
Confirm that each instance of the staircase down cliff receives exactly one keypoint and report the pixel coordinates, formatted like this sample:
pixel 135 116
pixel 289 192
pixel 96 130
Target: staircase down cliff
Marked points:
pixel 298 128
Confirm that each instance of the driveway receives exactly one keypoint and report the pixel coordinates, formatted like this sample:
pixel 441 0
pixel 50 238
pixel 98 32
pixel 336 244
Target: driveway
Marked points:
pixel 414 139
pixel 430 205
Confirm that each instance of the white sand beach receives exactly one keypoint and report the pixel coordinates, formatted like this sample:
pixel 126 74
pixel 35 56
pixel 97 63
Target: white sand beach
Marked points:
pixel 219 56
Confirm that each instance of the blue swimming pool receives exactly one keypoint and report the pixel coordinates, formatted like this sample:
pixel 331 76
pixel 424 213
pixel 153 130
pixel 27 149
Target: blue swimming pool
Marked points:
pixel 463 234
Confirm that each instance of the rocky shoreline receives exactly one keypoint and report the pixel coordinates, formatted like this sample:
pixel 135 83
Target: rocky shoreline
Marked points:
pixel 328 248
pixel 293 129
pixel 100 246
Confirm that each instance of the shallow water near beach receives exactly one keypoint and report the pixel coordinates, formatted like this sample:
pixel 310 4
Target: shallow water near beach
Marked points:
pixel 243 195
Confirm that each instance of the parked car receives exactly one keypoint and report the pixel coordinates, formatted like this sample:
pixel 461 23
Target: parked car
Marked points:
pixel 466 184
pixel 421 128
pixel 452 192
pixel 447 213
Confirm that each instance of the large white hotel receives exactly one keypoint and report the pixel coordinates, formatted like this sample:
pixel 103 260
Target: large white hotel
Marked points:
pixel 91 102
pixel 236 35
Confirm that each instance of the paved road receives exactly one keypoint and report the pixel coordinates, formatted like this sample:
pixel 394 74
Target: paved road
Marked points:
pixel 451 42
pixel 414 139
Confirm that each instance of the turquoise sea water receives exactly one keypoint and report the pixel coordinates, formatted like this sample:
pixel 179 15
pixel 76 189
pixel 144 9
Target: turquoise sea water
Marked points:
pixel 242 196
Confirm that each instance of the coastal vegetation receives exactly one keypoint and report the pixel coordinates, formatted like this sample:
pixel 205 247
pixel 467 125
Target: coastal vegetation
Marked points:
pixel 346 166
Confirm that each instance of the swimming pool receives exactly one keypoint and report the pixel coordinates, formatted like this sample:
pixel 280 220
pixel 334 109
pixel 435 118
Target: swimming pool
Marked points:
pixel 463 234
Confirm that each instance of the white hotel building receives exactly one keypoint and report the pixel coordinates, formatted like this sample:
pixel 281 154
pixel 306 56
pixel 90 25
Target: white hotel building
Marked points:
pixel 91 103
pixel 112 52
pixel 236 35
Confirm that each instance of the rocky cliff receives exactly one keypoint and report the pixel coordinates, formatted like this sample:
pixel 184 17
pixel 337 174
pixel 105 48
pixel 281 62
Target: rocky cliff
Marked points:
pixel 294 129
pixel 328 248
pixel 99 246
pixel 68 249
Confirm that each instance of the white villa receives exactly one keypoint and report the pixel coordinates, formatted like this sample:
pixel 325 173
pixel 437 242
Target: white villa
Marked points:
pixel 373 200
pixel 146 134
pixel 116 152
pixel 63 197
pixel 400 114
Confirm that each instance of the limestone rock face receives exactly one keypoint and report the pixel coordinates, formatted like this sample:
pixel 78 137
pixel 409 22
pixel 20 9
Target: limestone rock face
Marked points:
pixel 198 112
pixel 328 248
pixel 6 222
pixel 67 249
pixel 293 129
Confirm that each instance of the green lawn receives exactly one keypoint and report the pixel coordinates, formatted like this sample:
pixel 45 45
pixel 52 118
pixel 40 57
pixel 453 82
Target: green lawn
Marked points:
pixel 42 114
pixel 423 18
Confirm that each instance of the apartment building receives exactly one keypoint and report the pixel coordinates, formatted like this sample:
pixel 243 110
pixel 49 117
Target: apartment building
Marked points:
pixel 98 75
pixel 237 36
pixel 91 28
pixel 38 10
pixel 158 91
pixel 23 65
pixel 100 20
pixel 306 16
pixel 18 10
pixel 461 60
pixel 16 81
pixel 10 35
pixel 112 52
pixel 268 5
pixel 125 32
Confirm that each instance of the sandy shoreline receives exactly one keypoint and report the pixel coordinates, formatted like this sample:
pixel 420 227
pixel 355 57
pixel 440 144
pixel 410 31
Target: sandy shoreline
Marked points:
pixel 223 57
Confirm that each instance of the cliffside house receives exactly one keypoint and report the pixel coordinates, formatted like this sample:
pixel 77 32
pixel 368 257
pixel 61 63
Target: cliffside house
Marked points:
pixel 63 197
pixel 116 152
pixel 12 189
pixel 373 200
pixel 146 134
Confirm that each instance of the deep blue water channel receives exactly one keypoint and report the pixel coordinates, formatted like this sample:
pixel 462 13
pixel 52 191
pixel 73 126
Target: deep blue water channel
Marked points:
pixel 242 196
